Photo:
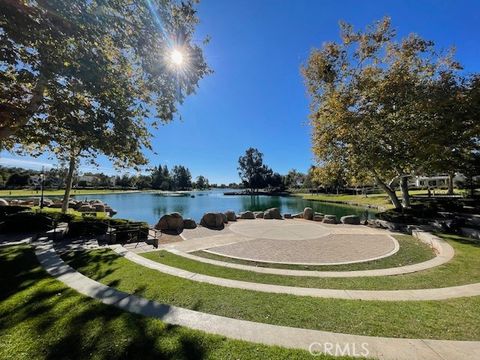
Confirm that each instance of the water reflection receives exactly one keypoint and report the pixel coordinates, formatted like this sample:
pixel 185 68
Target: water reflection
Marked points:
pixel 150 207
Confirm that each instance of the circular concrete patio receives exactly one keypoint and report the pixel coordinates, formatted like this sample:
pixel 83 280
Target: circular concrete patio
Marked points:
pixel 298 242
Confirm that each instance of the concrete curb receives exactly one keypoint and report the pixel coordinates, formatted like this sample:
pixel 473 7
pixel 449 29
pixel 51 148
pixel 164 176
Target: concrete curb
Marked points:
pixel 378 347
pixel 380 295
pixel 444 251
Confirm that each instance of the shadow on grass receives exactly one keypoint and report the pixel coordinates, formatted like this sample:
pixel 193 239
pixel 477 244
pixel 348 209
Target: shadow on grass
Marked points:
pixel 59 323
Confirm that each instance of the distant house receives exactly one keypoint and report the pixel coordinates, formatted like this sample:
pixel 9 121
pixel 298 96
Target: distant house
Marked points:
pixel 438 181
pixel 95 180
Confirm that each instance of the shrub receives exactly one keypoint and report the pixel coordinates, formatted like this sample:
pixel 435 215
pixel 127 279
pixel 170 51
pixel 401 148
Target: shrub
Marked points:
pixel 12 209
pixel 26 222
pixel 87 227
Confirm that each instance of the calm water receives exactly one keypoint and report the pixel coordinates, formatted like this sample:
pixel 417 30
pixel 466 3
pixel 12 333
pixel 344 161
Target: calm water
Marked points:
pixel 150 207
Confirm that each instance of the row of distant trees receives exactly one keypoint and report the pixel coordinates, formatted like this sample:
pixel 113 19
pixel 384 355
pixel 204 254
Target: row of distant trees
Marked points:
pixel 160 177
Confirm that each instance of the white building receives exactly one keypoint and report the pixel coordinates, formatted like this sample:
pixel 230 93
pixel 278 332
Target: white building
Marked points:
pixel 438 181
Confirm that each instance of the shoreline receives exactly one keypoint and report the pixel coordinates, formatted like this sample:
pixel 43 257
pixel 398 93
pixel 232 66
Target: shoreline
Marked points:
pixel 50 193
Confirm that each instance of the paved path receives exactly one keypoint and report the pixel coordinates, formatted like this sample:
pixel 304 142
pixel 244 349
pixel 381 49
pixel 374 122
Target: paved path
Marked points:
pixel 382 295
pixel 293 242
pixel 443 249
pixel 378 347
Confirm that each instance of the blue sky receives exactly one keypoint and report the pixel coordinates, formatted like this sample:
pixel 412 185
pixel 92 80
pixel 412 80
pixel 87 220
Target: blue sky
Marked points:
pixel 256 97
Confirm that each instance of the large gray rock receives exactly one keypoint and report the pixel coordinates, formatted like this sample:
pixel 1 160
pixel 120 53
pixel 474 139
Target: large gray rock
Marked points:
pixel 258 214
pixel 247 215
pixel 99 207
pixel 308 213
pixel 189 224
pixel 330 219
pixel 212 221
pixel 170 222
pixel 272 213
pixel 298 216
pixel 317 217
pixel 350 219
pixel 225 219
pixel 85 208
pixel 3 202
pixel 231 216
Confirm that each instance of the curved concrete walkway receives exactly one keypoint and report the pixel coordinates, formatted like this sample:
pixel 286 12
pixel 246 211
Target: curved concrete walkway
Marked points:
pixel 382 295
pixel 378 347
pixel 443 249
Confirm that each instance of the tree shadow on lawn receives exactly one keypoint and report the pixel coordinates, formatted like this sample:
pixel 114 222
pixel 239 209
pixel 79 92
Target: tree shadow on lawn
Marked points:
pixel 460 239
pixel 58 323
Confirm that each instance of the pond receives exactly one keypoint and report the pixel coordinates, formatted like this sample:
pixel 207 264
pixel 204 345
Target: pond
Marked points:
pixel 149 207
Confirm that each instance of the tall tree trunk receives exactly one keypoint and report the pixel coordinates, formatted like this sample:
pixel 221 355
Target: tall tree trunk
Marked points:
pixel 69 181
pixel 390 192
pixel 450 183
pixel 405 193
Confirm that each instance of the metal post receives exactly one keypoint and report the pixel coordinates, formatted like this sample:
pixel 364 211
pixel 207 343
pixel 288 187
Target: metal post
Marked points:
pixel 42 178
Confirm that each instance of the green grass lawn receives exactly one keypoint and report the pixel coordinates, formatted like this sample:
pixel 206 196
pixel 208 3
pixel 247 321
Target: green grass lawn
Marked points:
pixel 77 214
pixel 411 251
pixel 43 319
pixel 464 268
pixel 450 319
pixel 377 200
pixel 37 193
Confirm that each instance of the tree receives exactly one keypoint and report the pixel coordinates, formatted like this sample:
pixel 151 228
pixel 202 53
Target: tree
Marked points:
pixel 294 179
pixel 457 110
pixel 202 183
pixel 85 77
pixel 369 101
pixel 252 171
pixel 182 179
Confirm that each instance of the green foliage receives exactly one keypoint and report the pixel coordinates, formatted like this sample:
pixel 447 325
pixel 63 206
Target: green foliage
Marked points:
pixel 373 111
pixel 181 178
pixel 252 171
pixel 202 183
pixel 83 78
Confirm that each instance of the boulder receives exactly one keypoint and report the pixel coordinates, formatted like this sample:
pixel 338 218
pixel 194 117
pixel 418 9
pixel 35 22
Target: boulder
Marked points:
pixel 273 213
pixel 350 219
pixel 189 224
pixel 225 219
pixel 170 222
pixel 287 216
pixel 258 214
pixel 319 214
pixel 212 221
pixel 330 219
pixel 298 216
pixel 247 215
pixel 99 207
pixel 317 217
pixel 231 216
pixel 308 213
pixel 3 202
pixel 85 208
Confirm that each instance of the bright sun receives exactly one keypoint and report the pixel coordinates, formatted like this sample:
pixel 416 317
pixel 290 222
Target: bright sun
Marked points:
pixel 176 57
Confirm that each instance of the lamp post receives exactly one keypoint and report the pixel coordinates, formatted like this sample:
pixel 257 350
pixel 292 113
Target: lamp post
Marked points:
pixel 42 179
